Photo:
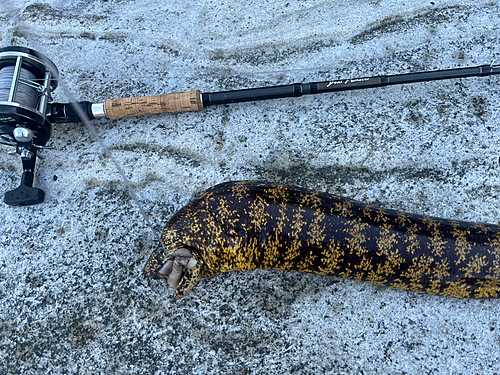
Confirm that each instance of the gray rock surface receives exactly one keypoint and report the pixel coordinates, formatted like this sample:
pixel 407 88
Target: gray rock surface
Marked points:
pixel 72 299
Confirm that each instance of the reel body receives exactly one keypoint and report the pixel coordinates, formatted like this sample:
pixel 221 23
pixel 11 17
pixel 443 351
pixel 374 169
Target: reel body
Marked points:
pixel 27 79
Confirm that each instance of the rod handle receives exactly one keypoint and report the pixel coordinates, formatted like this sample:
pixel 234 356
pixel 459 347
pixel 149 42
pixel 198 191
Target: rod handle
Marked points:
pixel 150 105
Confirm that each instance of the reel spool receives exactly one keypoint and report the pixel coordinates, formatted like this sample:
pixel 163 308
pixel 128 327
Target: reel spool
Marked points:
pixel 27 79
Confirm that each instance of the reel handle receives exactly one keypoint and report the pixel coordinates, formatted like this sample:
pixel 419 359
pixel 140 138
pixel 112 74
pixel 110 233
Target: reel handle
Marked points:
pixel 148 105
pixel 25 194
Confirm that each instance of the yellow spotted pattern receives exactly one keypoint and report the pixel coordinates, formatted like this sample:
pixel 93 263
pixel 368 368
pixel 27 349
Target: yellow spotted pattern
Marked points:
pixel 249 225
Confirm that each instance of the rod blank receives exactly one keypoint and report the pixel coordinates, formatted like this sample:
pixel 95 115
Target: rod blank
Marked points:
pixel 299 89
pixel 196 101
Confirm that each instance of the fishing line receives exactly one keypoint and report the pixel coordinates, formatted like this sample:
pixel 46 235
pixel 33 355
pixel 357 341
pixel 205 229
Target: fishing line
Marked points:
pixel 92 130
pixel 25 95
pixel 321 69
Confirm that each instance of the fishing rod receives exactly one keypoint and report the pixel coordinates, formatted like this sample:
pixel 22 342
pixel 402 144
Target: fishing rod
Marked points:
pixel 27 112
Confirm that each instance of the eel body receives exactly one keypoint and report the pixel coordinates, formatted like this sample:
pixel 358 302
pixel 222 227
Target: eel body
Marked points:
pixel 248 225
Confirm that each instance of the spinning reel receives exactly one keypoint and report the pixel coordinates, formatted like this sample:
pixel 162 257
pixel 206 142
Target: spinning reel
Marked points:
pixel 27 112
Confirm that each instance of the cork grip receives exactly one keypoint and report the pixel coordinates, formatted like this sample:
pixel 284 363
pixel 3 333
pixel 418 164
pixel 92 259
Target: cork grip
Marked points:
pixel 149 105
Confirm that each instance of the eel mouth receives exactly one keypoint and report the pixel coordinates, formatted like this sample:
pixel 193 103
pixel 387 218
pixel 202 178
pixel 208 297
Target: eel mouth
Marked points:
pixel 175 267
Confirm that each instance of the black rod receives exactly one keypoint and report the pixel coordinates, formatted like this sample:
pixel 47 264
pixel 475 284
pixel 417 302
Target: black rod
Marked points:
pixel 299 89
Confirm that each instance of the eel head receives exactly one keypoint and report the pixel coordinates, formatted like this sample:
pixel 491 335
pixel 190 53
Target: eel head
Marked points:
pixel 176 263
pixel 197 241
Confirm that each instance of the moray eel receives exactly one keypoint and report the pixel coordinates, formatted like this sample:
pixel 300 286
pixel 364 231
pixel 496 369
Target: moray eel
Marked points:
pixel 248 225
